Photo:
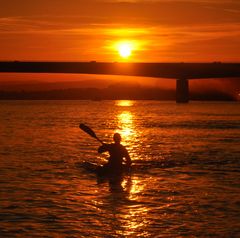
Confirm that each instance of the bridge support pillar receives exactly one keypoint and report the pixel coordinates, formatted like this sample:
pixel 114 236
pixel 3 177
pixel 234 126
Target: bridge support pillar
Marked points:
pixel 182 91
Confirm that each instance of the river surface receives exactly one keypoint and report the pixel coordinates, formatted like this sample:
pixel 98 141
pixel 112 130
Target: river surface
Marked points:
pixel 185 183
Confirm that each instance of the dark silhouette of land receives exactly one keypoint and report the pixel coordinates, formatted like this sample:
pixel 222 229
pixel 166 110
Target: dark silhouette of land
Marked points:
pixel 113 92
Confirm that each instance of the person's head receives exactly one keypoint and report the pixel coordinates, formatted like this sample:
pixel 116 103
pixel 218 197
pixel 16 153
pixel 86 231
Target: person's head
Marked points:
pixel 117 138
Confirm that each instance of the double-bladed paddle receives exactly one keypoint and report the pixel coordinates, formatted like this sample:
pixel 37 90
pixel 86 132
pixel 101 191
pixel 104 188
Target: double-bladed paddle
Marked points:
pixel 89 131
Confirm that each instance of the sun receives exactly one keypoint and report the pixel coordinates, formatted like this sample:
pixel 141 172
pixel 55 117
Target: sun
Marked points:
pixel 125 49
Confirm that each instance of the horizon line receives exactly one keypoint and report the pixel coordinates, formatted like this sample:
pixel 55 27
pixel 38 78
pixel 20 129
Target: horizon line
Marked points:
pixel 123 62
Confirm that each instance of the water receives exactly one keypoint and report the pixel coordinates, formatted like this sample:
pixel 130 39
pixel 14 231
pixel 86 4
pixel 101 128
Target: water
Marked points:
pixel 186 182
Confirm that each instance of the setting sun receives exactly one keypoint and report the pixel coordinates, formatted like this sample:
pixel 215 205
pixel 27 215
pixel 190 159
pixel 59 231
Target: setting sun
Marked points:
pixel 125 49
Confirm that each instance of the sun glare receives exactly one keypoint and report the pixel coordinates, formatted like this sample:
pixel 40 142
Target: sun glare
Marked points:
pixel 125 49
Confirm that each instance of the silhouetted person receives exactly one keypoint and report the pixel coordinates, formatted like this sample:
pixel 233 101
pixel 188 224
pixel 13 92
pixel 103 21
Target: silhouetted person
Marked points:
pixel 118 155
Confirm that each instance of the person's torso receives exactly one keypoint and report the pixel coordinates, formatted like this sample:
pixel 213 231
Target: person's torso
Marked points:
pixel 117 153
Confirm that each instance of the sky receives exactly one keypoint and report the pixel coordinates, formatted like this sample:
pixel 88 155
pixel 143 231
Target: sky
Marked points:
pixel 158 30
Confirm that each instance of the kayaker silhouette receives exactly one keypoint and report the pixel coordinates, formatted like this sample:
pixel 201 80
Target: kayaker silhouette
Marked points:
pixel 119 158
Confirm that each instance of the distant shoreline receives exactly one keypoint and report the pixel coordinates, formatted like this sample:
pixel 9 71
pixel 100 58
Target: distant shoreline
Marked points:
pixel 95 94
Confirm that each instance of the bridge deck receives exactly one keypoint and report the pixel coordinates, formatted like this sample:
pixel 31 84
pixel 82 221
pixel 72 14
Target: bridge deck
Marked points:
pixel 163 70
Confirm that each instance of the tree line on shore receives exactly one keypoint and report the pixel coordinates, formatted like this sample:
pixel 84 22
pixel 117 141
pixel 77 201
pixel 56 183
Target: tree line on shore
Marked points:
pixel 110 93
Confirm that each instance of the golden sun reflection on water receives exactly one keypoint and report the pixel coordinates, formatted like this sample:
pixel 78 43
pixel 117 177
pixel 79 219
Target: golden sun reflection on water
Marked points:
pixel 135 215
pixel 124 103
pixel 125 122
pixel 126 126
pixel 134 219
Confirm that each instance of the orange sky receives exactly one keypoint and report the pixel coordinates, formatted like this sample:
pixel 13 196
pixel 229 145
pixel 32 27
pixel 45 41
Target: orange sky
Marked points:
pixel 80 30
pixel 87 30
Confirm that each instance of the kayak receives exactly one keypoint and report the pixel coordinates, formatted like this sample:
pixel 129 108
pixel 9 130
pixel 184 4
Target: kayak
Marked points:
pixel 104 171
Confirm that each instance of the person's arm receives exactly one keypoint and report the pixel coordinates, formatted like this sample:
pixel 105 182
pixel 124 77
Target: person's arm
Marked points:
pixel 103 148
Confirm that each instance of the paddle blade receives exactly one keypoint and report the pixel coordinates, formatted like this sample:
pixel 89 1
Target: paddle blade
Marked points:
pixel 88 130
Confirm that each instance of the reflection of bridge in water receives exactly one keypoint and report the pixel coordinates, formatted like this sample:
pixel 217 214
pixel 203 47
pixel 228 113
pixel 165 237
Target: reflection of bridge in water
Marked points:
pixel 182 72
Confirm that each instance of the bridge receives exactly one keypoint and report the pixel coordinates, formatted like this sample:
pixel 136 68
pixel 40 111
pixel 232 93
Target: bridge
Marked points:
pixel 182 72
